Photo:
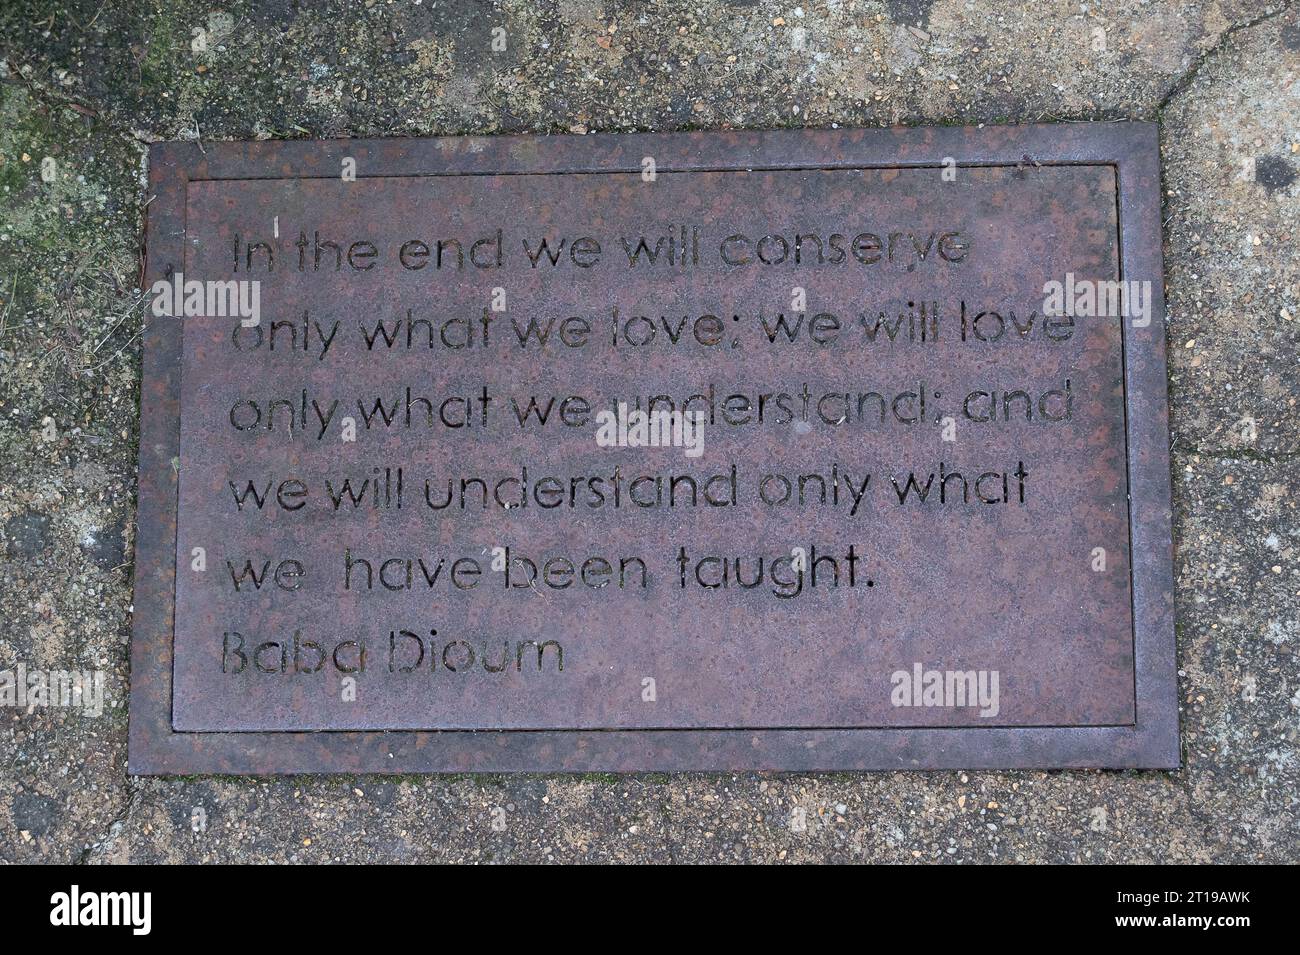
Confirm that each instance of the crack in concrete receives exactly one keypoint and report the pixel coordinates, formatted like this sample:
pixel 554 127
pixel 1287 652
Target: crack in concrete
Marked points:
pixel 1189 75
pixel 114 829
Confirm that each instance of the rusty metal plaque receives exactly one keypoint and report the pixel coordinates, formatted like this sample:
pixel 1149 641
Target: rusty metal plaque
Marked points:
pixel 798 450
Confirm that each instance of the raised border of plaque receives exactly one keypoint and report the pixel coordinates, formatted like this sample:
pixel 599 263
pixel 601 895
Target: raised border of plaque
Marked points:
pixel 1152 741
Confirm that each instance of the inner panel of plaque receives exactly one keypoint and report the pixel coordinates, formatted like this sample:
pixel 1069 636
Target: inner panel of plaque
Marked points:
pixel 375 612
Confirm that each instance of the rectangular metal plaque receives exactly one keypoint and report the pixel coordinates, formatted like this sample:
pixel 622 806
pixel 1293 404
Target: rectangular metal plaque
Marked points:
pixel 798 450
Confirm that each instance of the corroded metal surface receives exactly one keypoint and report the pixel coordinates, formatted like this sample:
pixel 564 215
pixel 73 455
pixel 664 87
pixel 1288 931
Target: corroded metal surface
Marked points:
pixel 792 673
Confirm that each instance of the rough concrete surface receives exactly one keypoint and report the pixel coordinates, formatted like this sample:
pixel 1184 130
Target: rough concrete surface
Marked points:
pixel 84 87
